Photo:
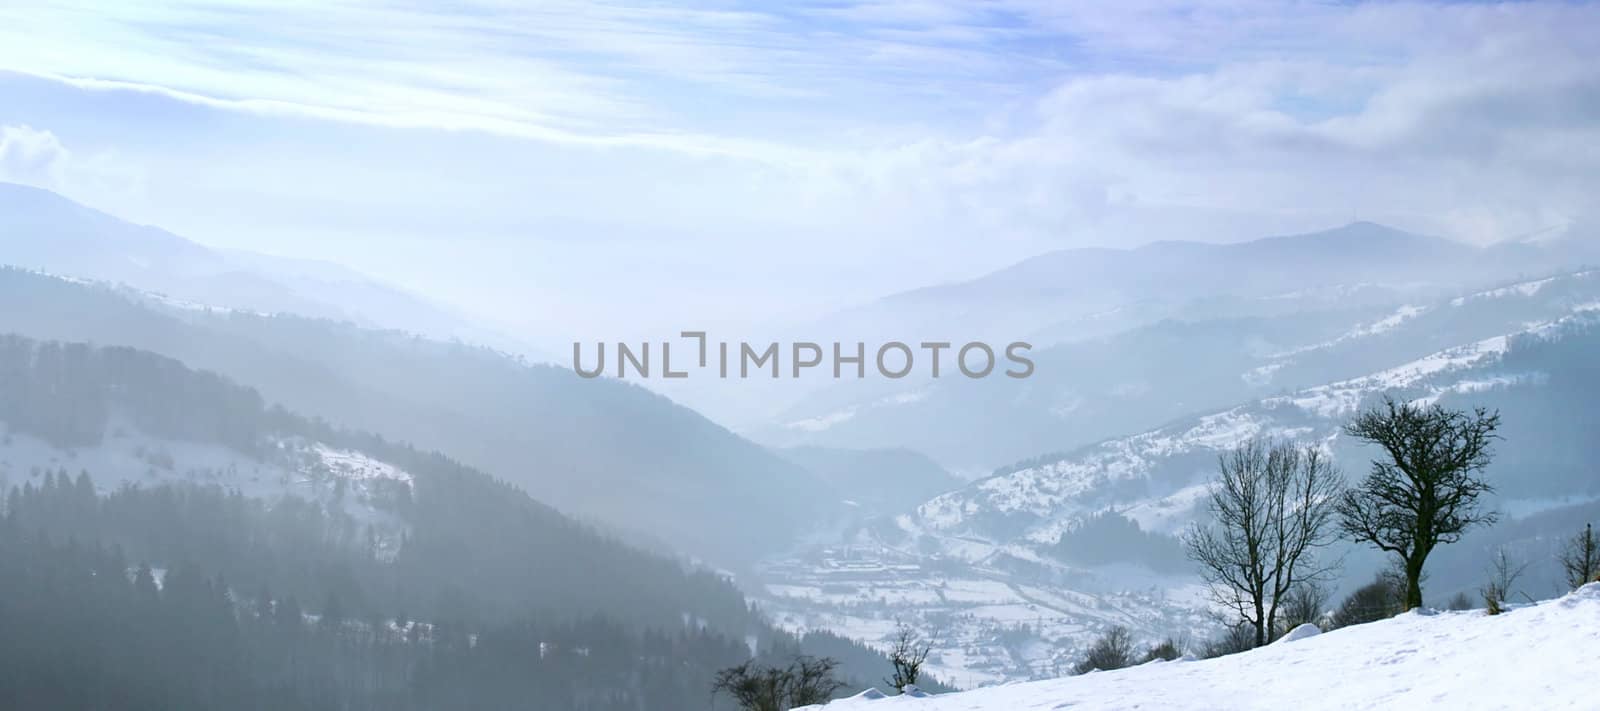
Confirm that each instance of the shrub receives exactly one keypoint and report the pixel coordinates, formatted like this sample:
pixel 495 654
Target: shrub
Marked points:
pixel 1113 650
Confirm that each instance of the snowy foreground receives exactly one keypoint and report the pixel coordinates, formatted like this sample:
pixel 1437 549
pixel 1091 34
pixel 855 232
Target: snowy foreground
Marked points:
pixel 1543 656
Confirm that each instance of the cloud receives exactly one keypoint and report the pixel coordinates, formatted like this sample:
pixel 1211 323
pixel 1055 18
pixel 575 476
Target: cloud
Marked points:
pixel 32 157
pixel 883 144
pixel 38 157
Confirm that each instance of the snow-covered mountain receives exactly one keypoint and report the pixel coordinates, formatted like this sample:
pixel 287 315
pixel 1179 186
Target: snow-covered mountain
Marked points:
pixel 1422 659
pixel 1081 393
pixel 986 571
pixel 1157 477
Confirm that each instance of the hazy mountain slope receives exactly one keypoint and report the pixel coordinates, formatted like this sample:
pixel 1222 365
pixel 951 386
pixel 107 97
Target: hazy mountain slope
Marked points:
pixel 1127 287
pixel 138 418
pixel 1086 391
pixel 428 584
pixel 604 450
pixel 44 231
pixel 877 481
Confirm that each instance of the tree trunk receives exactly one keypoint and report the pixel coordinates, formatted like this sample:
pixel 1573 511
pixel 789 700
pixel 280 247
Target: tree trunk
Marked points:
pixel 1413 584
pixel 1261 621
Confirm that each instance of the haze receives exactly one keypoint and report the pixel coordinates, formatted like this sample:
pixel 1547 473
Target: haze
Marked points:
pixel 594 170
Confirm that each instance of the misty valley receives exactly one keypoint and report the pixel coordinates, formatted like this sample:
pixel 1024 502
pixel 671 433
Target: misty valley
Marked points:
pixel 325 514
pixel 826 355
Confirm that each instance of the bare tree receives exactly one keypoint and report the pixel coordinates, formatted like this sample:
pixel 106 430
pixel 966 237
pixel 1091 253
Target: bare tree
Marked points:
pixel 1460 601
pixel 1271 507
pixel 1503 575
pixel 1235 639
pixel 909 651
pixel 1425 493
pixel 753 686
pixel 1307 603
pixel 1113 650
pixel 1580 558
pixel 812 681
pixel 756 687
pixel 1380 599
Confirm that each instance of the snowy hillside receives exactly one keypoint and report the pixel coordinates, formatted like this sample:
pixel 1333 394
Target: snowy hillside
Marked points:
pixel 1107 387
pixel 1539 656
pixel 1157 477
pixel 358 490
pixel 969 567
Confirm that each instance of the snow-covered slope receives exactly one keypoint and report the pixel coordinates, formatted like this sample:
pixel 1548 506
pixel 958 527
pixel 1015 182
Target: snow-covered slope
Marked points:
pixel 356 489
pixel 1540 656
pixel 1085 392
pixel 1157 477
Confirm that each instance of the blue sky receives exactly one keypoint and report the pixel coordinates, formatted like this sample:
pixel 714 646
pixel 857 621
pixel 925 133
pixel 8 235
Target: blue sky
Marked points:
pixel 602 169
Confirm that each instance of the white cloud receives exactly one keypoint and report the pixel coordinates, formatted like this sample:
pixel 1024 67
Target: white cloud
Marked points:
pixel 32 157
pixel 898 142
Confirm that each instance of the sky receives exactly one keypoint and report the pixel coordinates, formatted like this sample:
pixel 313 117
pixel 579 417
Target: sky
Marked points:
pixel 616 170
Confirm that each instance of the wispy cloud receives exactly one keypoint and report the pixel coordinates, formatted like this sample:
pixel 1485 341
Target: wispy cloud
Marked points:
pixel 908 140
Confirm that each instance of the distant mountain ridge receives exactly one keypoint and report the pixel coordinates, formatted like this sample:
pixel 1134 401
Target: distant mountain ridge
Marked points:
pixel 1226 309
pixel 1156 279
pixel 45 231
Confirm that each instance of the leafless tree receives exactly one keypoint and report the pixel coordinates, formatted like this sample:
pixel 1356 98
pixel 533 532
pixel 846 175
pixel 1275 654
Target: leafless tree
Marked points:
pixel 1580 558
pixel 757 687
pixel 1272 507
pixel 753 686
pixel 1235 639
pixel 1113 650
pixel 1425 492
pixel 909 651
pixel 1307 603
pixel 1503 575
pixel 812 681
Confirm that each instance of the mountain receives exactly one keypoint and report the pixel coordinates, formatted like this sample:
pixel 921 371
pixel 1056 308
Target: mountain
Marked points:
pixel 1535 368
pixel 608 452
pixel 115 460
pixel 43 231
pixel 1421 659
pixel 1089 390
pixel 1016 572
pixel 1110 289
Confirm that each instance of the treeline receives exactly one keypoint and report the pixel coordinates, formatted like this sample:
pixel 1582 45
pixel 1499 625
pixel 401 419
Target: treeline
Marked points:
pixel 88 629
pixel 470 536
pixel 1109 537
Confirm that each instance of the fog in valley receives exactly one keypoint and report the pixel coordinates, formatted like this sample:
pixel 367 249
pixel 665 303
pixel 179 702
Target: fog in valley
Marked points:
pixel 940 346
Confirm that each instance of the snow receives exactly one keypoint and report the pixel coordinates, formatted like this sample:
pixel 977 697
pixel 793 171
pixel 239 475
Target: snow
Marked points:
pixel 1535 656
pixel 1305 631
pixel 345 481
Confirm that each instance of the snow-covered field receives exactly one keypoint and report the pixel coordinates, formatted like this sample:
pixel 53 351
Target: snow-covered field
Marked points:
pixel 1542 656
